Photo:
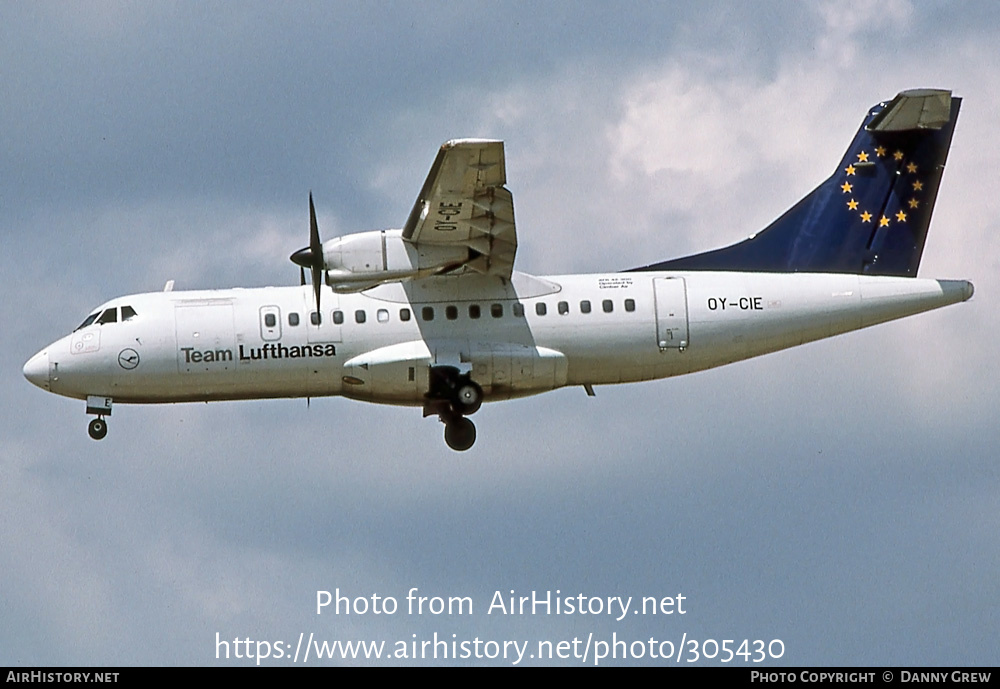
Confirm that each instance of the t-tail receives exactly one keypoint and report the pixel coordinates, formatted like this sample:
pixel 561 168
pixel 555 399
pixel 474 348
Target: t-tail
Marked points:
pixel 871 216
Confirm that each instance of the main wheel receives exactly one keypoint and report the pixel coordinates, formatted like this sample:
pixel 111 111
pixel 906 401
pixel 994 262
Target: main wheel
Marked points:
pixel 468 398
pixel 98 428
pixel 460 434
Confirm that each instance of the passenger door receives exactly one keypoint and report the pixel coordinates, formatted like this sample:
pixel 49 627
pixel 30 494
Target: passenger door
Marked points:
pixel 670 295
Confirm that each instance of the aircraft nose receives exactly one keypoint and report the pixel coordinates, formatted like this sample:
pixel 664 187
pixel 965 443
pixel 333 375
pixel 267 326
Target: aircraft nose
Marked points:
pixel 37 369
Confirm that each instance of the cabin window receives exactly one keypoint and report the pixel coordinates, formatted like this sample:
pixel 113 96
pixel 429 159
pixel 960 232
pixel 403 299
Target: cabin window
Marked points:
pixel 608 306
pixel 404 314
pixel 109 316
pixel 382 315
pixel 585 306
pixel 474 311
pixel 427 313
pixel 270 320
pixel 541 309
pixel 563 308
pixel 630 305
pixel 496 310
pixel 451 312
pixel 360 316
pixel 316 318
pixel 293 319
pixel 338 317
pixel 518 309
pixel 127 313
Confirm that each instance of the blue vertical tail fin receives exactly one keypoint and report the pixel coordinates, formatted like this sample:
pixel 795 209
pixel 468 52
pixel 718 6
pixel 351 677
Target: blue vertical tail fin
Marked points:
pixel 872 215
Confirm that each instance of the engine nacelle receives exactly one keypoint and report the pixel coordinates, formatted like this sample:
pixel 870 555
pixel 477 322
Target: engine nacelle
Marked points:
pixel 365 259
pixel 400 373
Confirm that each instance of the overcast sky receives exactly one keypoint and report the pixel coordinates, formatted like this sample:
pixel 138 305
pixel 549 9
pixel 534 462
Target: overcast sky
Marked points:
pixel 841 497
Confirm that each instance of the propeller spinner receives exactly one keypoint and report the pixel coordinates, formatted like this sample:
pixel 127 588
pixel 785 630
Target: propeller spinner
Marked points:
pixel 311 257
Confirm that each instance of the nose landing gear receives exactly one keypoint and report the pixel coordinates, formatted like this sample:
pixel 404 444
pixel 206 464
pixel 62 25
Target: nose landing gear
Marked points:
pixel 453 397
pixel 101 407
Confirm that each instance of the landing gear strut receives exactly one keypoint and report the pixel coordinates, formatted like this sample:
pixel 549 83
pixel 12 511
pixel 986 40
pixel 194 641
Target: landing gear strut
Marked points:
pixel 452 397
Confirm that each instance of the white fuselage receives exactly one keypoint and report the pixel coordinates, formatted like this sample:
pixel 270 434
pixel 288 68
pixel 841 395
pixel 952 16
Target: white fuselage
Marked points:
pixel 513 337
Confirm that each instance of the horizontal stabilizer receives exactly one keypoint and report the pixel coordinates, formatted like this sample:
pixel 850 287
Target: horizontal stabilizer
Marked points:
pixel 916 109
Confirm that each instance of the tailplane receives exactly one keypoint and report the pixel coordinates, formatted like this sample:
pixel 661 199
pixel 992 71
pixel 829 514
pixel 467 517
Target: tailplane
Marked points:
pixel 871 216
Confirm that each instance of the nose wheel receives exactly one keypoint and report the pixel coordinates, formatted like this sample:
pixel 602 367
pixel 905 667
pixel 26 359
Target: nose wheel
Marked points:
pixel 99 407
pixel 97 428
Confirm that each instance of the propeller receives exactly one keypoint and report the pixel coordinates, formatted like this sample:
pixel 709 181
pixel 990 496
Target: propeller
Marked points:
pixel 311 257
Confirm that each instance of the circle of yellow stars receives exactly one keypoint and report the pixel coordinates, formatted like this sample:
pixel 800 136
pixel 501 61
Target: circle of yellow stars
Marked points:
pixel 881 152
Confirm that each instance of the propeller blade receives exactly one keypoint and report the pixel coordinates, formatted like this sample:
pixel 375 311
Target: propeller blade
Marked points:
pixel 312 256
pixel 314 243
pixel 317 286
pixel 316 249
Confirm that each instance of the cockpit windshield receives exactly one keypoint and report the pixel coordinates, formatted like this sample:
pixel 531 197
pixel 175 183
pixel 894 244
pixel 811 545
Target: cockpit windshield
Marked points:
pixel 110 315
pixel 90 319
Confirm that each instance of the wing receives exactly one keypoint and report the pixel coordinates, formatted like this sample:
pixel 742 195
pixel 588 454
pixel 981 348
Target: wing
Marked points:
pixel 464 203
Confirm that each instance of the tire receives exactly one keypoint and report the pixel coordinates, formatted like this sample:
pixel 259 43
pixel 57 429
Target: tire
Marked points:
pixel 98 428
pixel 468 398
pixel 460 434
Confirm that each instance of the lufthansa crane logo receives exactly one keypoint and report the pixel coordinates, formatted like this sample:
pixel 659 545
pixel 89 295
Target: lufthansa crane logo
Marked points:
pixel 128 359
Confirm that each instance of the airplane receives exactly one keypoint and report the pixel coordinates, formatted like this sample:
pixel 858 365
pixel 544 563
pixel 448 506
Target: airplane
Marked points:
pixel 433 315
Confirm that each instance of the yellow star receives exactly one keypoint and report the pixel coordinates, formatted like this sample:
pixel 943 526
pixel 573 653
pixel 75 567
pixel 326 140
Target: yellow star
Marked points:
pixel 866 217
pixel 901 216
pixel 912 167
pixel 849 170
pixel 883 221
pixel 914 203
pixel 918 185
pixel 898 155
pixel 862 157
pixel 852 204
pixel 880 151
pixel 846 187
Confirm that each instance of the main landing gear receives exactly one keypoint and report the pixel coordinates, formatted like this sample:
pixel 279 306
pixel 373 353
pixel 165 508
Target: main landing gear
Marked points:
pixel 101 406
pixel 452 397
pixel 459 432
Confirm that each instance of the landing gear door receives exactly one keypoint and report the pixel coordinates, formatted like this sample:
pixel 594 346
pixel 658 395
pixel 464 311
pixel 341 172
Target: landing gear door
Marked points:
pixel 670 295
